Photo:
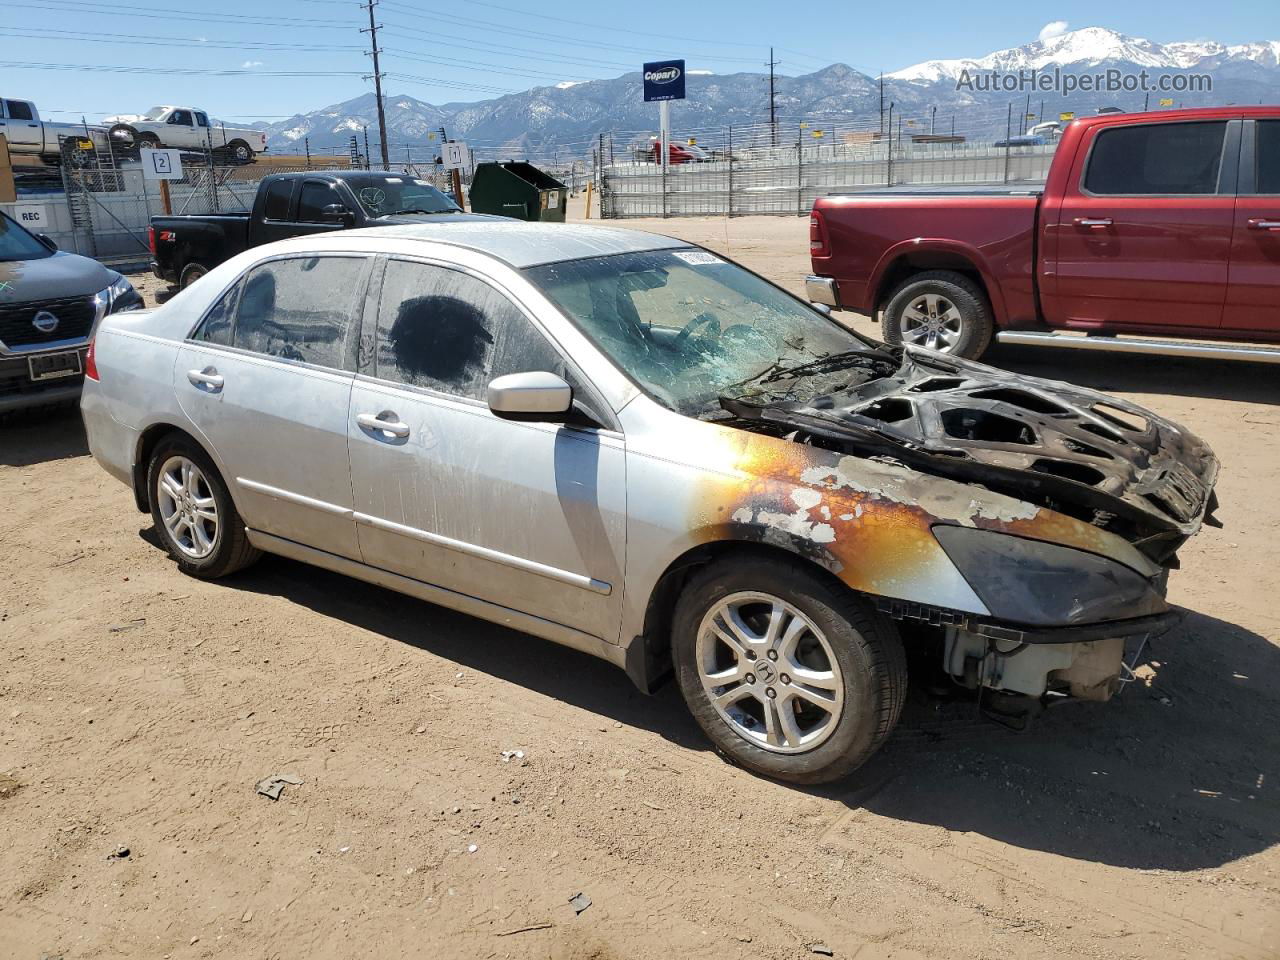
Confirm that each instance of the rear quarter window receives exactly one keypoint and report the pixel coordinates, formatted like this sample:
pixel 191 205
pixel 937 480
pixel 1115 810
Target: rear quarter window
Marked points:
pixel 1156 159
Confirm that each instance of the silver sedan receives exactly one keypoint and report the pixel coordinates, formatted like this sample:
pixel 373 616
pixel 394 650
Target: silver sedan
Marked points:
pixel 630 445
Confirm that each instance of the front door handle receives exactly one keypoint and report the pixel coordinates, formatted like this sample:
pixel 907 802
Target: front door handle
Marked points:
pixel 208 377
pixel 1258 223
pixel 1093 222
pixel 384 422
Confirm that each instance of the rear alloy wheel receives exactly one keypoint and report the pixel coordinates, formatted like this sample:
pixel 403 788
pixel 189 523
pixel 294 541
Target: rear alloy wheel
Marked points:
pixel 789 674
pixel 939 310
pixel 240 152
pixel 193 512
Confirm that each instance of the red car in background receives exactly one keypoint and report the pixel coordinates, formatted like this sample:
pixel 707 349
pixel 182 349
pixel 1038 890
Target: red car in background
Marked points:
pixel 677 152
pixel 1164 224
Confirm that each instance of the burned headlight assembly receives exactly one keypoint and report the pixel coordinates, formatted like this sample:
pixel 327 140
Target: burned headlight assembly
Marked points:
pixel 1043 584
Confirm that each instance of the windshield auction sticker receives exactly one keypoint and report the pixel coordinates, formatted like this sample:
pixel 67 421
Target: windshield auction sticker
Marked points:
pixel 697 257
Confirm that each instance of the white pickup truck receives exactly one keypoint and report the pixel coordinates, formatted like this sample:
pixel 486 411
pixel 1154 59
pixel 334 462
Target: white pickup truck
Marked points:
pixel 31 138
pixel 184 128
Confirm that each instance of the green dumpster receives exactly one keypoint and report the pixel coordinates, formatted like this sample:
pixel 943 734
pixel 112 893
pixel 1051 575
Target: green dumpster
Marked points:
pixel 519 190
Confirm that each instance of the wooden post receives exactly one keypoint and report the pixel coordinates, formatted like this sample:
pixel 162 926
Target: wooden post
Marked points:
pixel 8 190
pixel 457 188
pixel 165 203
pixel 586 214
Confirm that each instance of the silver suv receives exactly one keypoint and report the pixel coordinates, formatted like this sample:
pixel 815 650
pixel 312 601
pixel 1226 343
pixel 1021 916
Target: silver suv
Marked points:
pixel 629 445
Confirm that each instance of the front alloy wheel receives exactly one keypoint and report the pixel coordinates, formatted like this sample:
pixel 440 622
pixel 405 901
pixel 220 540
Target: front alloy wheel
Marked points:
pixel 787 671
pixel 770 672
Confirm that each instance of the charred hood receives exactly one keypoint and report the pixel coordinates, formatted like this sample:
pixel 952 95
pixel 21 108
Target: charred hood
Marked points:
pixel 1077 451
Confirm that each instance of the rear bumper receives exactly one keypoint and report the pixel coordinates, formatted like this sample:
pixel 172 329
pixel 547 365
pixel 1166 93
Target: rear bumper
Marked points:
pixel 824 290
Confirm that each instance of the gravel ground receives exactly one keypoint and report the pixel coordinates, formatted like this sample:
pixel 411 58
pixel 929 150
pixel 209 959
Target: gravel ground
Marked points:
pixel 138 709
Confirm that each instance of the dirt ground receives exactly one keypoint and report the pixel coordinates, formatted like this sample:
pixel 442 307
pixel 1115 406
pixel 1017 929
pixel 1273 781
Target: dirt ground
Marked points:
pixel 138 708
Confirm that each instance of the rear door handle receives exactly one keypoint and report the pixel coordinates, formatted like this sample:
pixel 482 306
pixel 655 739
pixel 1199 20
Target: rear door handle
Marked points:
pixel 384 422
pixel 1092 221
pixel 208 377
pixel 1258 223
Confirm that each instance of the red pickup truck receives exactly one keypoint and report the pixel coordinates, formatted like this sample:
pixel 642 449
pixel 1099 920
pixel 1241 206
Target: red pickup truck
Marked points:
pixel 1162 224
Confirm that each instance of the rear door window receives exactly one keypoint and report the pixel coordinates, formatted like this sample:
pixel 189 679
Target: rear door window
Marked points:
pixel 300 309
pixel 202 120
pixel 276 205
pixel 1157 159
pixel 448 331
pixel 1268 156
pixel 218 323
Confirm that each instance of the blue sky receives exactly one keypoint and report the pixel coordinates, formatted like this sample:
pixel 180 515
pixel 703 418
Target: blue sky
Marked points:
pixel 102 50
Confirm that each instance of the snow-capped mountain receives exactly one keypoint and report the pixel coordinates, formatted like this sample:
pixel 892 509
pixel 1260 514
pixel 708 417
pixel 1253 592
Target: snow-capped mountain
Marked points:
pixel 1095 46
pixel 565 119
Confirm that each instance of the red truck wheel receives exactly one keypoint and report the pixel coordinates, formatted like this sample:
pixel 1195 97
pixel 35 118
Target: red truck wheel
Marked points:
pixel 939 310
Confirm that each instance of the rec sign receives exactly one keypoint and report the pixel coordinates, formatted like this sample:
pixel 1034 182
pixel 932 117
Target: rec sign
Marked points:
pixel 664 81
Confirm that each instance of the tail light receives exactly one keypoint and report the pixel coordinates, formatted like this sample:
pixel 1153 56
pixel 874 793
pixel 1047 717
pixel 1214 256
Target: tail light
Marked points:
pixel 818 235
pixel 151 240
pixel 91 363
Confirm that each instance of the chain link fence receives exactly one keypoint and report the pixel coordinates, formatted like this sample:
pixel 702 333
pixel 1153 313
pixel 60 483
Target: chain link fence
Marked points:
pixel 744 176
pixel 99 204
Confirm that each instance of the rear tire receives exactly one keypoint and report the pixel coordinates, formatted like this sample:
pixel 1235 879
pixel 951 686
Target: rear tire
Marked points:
pixel 764 710
pixel 239 152
pixel 190 274
pixel 940 310
pixel 193 511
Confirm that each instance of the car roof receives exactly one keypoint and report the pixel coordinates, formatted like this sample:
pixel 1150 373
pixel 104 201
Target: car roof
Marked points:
pixel 515 242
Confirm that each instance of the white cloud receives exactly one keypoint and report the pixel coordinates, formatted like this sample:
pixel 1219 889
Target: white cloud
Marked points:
pixel 699 73
pixel 250 64
pixel 1054 28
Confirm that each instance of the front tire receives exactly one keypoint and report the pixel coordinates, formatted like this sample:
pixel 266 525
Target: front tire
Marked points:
pixel 193 512
pixel 940 310
pixel 789 675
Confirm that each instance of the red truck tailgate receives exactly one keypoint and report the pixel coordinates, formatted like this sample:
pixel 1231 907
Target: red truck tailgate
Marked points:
pixel 867 241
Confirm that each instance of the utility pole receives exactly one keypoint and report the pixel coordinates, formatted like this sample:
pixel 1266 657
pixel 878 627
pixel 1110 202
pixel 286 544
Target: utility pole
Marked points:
pixel 773 114
pixel 377 82
pixel 882 105
pixel 933 118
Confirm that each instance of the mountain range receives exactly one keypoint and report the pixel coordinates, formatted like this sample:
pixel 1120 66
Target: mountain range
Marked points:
pixel 564 120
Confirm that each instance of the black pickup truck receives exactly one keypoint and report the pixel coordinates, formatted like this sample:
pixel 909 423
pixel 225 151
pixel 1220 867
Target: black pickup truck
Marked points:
pixel 290 205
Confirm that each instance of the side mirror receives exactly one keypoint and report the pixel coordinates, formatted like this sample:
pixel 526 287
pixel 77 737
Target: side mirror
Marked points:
pixel 339 213
pixel 48 241
pixel 535 395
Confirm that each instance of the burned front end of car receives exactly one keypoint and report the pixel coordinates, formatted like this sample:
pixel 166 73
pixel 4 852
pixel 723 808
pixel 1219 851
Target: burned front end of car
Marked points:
pixel 1061 508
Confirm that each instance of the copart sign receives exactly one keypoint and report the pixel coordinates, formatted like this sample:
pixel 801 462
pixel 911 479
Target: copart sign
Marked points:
pixel 664 81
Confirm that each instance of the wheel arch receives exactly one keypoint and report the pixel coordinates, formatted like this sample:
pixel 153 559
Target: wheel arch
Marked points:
pixel 648 655
pixel 148 440
pixel 902 262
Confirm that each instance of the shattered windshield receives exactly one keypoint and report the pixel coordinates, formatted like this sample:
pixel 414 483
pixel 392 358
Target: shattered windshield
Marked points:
pixel 155 113
pixel 690 328
pixel 386 196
